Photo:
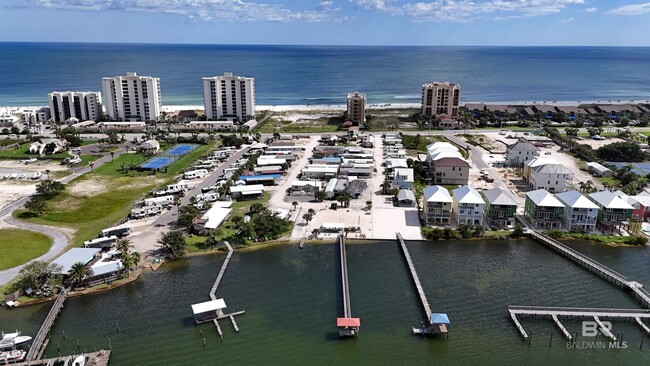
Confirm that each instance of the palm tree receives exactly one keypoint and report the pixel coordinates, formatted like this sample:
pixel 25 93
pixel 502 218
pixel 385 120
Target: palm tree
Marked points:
pixel 385 186
pixel 47 171
pixel 320 195
pixel 307 217
pixel 582 186
pixel 346 199
pixel 311 211
pixel 294 204
pixel 78 272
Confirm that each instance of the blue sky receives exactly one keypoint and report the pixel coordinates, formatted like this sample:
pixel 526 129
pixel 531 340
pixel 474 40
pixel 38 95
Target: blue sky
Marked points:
pixel 360 22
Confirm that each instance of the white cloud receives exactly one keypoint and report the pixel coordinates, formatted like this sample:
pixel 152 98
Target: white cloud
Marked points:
pixel 206 10
pixel 567 20
pixel 465 10
pixel 632 9
pixel 592 10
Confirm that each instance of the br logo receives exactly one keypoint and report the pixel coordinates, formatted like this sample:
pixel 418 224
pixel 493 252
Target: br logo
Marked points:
pixel 590 328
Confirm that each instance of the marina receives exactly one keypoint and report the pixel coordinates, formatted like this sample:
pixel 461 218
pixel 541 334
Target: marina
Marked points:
pixel 42 337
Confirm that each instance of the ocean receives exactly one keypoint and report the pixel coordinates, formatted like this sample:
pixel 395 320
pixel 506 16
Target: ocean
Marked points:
pixel 288 75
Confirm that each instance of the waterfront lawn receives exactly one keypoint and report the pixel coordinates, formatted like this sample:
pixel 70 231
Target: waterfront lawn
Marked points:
pixel 20 246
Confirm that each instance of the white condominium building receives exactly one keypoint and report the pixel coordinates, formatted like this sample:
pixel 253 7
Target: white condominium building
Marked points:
pixel 229 97
pixel 440 98
pixel 74 104
pixel 357 108
pixel 132 98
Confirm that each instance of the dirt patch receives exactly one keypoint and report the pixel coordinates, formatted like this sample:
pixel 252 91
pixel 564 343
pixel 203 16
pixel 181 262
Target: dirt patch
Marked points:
pixel 87 187
pixel 143 183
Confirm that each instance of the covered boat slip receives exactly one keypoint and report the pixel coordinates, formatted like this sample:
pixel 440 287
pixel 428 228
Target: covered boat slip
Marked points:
pixel 208 310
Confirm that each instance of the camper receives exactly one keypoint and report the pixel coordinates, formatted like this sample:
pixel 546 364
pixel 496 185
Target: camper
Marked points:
pixel 119 231
pixel 142 212
pixel 176 188
pixel 104 242
pixel 164 201
pixel 193 174
pixel 207 197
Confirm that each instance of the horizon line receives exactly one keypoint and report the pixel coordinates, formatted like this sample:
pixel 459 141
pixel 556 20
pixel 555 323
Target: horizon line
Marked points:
pixel 311 45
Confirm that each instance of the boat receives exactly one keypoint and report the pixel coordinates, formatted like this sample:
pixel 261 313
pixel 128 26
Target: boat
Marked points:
pixel 79 361
pixel 11 340
pixel 12 356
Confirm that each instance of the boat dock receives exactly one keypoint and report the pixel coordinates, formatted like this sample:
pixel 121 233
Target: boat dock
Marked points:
pixel 595 314
pixel 592 265
pixel 42 337
pixel 99 358
pixel 348 326
pixel 437 322
pixel 213 310
pixel 302 243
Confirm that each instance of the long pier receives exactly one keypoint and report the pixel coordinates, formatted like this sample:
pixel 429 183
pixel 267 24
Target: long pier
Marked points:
pixel 416 279
pixel 590 264
pixel 347 310
pixel 99 358
pixel 595 314
pixel 213 291
pixel 42 337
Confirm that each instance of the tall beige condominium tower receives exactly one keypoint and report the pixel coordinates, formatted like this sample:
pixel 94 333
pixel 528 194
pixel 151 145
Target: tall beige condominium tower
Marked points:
pixel 357 107
pixel 440 98
pixel 132 97
pixel 229 97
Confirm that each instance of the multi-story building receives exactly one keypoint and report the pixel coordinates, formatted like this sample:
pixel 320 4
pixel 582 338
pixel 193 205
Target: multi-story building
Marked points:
pixel 552 177
pixel 403 178
pixel 437 205
pixel 357 108
pixel 468 206
pixel 83 106
pixel 580 213
pixel 543 209
pixel 440 98
pixel 36 116
pixel 614 211
pixel 451 170
pixel 519 152
pixel 229 97
pixel 132 98
pixel 500 207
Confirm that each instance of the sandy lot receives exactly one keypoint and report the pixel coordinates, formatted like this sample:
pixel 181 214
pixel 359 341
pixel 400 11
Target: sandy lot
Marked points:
pixel 39 166
pixel 13 191
pixel 87 187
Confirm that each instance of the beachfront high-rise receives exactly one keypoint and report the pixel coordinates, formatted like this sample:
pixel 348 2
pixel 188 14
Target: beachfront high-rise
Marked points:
pixel 132 98
pixel 229 97
pixel 357 108
pixel 83 106
pixel 440 98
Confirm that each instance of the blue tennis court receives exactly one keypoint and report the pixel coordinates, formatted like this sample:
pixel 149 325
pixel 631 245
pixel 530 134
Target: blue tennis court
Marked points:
pixel 157 163
pixel 180 149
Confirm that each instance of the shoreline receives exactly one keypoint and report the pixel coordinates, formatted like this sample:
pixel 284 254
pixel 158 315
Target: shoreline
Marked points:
pixel 342 107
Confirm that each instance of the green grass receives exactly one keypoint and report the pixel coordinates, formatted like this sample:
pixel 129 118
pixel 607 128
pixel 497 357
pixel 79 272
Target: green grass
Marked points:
pixel 610 181
pixel 16 153
pixel 20 246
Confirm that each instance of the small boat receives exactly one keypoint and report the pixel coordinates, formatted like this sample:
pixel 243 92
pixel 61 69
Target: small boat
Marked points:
pixel 11 340
pixel 79 361
pixel 7 176
pixel 12 356
pixel 22 176
pixel 37 175
pixel 13 176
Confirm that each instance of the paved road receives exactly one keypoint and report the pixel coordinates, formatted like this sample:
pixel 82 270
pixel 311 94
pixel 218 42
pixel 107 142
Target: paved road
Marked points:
pixel 59 239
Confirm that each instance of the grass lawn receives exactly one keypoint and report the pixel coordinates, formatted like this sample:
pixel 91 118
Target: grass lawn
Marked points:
pixel 19 246
pixel 88 214
pixel 20 152
pixel 610 181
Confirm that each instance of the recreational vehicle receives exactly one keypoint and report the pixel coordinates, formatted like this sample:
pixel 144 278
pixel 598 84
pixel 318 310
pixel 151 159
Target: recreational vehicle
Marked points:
pixel 193 174
pixel 207 197
pixel 119 231
pixel 104 242
pixel 141 212
pixel 164 201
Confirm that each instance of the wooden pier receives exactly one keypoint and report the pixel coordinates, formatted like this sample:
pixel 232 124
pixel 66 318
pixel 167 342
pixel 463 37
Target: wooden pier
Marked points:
pixel 213 291
pixel 302 243
pixel 590 264
pixel 348 326
pixel 416 279
pixel 595 314
pixel 99 358
pixel 42 337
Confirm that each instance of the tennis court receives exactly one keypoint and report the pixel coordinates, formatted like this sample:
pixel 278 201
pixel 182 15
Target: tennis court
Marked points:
pixel 168 157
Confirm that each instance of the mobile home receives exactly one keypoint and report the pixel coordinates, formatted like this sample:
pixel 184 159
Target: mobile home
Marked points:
pixel 119 231
pixel 104 242
pixel 142 212
pixel 193 174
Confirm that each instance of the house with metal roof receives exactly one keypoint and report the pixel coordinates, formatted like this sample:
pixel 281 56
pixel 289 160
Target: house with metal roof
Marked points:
pixel 599 170
pixel 519 152
pixel 437 205
pixel 405 198
pixel 535 162
pixel 543 209
pixel 403 178
pixel 247 191
pixel 500 207
pixel 552 177
pixel 467 206
pixel 614 211
pixel 75 255
pixel 640 202
pixel 580 213
pixel 212 219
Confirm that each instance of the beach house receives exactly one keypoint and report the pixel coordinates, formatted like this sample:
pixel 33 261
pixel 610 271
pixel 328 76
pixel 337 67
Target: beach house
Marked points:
pixel 500 207
pixel 580 213
pixel 614 211
pixel 403 178
pixel 519 152
pixel 437 205
pixel 468 206
pixel 552 177
pixel 543 209
pixel 533 163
